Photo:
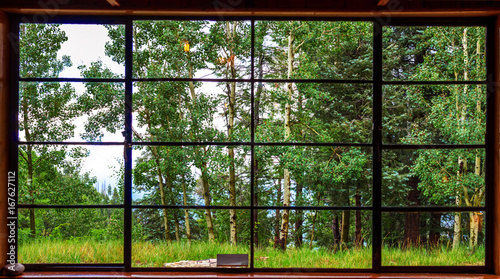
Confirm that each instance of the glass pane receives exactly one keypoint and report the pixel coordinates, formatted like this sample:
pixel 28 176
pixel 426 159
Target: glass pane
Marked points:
pixel 313 50
pixel 193 112
pixel 434 53
pixel 434 114
pixel 315 239
pixel 70 235
pixel 70 175
pixel 191 49
pixel 58 112
pixel 178 238
pixel 192 175
pixel 433 177
pixel 311 112
pixel 433 239
pixel 71 50
pixel 315 176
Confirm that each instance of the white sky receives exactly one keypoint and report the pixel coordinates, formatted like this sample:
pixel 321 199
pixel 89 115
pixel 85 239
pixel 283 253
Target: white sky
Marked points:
pixel 85 44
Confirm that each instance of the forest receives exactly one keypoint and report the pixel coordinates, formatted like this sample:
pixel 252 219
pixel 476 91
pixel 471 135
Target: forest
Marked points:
pixel 279 118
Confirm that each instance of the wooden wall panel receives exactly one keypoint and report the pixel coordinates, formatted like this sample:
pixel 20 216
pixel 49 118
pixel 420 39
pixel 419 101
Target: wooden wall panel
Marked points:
pixel 247 5
pixel 362 7
pixel 4 150
pixel 496 155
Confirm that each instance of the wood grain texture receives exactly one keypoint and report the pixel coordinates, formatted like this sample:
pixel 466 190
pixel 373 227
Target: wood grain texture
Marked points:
pixel 496 155
pixel 57 6
pixel 272 8
pixel 194 275
pixel 4 68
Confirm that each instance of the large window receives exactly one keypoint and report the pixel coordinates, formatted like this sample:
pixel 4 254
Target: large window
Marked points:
pixel 313 145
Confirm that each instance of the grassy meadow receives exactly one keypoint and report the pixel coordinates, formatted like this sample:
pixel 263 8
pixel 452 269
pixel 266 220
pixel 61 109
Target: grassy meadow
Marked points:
pixel 148 254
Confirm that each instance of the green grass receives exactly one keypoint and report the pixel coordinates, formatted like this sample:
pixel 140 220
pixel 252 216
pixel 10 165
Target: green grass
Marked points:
pixel 440 256
pixel 316 258
pixel 71 251
pixel 147 254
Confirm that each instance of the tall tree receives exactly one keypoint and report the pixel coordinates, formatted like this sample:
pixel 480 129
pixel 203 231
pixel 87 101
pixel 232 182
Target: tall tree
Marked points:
pixel 228 49
pixel 46 112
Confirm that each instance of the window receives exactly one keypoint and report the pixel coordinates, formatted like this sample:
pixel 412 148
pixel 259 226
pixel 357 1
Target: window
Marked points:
pixel 312 144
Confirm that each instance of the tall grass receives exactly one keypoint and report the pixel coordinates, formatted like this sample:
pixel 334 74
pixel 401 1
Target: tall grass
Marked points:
pixel 71 251
pixel 315 258
pixel 156 254
pixel 439 256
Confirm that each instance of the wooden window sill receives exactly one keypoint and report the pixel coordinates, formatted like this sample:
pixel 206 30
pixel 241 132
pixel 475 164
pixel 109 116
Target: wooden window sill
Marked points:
pixel 186 275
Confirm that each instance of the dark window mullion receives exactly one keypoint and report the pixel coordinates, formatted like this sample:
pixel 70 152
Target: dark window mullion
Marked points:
pixel 127 222
pixel 69 143
pixel 433 146
pixel 271 80
pixel 62 79
pixel 491 114
pixel 377 147
pixel 434 82
pixel 252 143
pixel 13 128
pixel 255 207
pixel 432 208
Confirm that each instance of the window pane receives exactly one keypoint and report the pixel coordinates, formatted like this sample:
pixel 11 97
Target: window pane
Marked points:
pixel 192 238
pixel 71 50
pixel 316 239
pixel 433 239
pixel 316 176
pixel 433 177
pixel 191 49
pixel 58 112
pixel 435 114
pixel 313 50
pixel 434 53
pixel 192 175
pixel 70 175
pixel 70 235
pixel 313 112
pixel 191 112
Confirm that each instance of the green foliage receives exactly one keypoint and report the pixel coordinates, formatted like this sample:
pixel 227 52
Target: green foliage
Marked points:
pixel 294 112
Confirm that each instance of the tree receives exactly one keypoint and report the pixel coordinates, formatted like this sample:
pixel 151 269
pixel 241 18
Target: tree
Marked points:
pixel 312 112
pixel 451 114
pixel 229 47
pixel 46 111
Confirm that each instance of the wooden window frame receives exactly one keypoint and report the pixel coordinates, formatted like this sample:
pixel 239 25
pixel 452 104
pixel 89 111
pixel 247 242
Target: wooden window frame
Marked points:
pixel 492 143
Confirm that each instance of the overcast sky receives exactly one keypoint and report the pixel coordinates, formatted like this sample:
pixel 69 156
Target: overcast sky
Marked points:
pixel 85 44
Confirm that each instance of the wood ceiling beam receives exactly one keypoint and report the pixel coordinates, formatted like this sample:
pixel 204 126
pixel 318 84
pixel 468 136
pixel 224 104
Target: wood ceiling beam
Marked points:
pixel 382 3
pixel 113 3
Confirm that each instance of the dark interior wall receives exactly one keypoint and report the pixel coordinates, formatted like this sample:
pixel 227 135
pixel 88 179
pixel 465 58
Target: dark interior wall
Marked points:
pixel 253 5
pixel 4 148
pixel 496 155
pixel 248 7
